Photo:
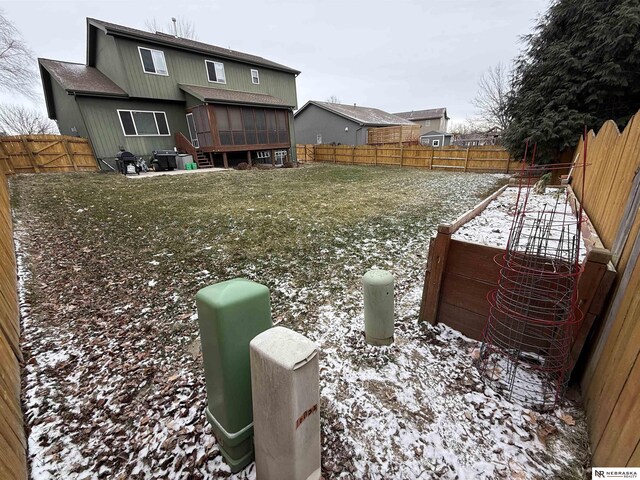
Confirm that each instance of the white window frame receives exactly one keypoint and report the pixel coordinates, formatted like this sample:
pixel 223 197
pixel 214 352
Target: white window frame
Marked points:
pixel 194 140
pixel 427 123
pixel 255 76
pixel 215 67
pixel 435 142
pixel 280 156
pixel 136 128
pixel 154 56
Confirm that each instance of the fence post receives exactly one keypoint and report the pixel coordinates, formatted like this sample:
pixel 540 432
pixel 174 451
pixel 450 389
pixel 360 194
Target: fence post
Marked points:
pixel 375 159
pixel 353 155
pixel 401 152
pixel 466 160
pixel 431 162
pixel 508 161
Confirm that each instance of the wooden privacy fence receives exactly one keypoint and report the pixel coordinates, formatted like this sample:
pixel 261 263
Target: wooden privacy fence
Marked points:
pixel 474 159
pixel 13 464
pixel 305 153
pixel 396 134
pixel 46 153
pixel 611 379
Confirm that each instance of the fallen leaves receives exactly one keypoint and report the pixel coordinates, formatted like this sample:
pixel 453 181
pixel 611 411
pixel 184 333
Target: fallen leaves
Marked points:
pixel 116 292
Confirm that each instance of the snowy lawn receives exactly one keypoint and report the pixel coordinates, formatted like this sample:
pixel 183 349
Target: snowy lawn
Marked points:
pixel 113 381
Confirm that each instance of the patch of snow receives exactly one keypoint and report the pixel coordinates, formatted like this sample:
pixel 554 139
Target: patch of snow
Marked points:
pixel 493 225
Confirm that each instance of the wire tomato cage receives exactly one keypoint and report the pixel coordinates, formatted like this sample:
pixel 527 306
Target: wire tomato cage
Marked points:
pixel 533 312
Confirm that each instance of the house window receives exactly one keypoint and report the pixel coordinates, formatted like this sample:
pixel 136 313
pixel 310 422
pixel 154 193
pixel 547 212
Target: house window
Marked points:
pixel 153 61
pixel 138 123
pixel 435 143
pixel 255 77
pixel 215 71
pixel 280 156
pixel 427 123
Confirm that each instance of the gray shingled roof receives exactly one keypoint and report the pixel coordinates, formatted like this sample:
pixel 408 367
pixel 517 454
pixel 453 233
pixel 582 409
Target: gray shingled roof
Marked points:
pixel 210 94
pixel 435 133
pixel 362 115
pixel 78 78
pixel 187 44
pixel 423 114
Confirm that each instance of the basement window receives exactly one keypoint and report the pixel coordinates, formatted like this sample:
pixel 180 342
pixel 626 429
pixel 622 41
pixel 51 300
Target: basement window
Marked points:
pixel 215 71
pixel 153 61
pixel 255 77
pixel 138 123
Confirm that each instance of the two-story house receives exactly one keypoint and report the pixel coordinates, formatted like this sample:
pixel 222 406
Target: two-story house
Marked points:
pixel 433 119
pixel 145 91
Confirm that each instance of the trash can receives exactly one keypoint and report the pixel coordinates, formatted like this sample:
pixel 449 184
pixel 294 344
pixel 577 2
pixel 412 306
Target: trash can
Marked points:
pixel 230 315
pixel 286 405
pixel 182 161
pixel 164 160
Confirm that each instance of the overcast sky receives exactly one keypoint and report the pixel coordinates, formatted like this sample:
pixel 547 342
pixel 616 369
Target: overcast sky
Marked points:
pixel 396 56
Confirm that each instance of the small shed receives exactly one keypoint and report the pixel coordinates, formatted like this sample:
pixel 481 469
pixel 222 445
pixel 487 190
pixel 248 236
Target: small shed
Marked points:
pixel 435 139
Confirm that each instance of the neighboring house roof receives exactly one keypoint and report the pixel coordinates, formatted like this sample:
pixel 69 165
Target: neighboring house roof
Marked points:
pixel 176 42
pixel 362 115
pixel 417 115
pixel 78 78
pixel 211 94
pixel 435 133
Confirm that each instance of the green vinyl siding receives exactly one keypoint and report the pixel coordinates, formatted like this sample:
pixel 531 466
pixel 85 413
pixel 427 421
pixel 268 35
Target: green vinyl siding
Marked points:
pixel 108 60
pixel 68 114
pixel 189 68
pixel 105 130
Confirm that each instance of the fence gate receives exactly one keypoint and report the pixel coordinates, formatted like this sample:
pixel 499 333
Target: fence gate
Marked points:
pixel 46 153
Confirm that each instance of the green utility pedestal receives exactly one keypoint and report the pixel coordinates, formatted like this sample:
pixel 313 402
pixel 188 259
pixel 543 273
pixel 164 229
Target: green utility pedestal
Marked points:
pixel 230 315
pixel 377 286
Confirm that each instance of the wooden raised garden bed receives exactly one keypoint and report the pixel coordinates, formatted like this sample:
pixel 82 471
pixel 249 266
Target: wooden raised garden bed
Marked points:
pixel 461 273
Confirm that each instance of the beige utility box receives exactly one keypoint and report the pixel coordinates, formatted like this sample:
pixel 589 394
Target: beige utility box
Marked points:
pixel 286 405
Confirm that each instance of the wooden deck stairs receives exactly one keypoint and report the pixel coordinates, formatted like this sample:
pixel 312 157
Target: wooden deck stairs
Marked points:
pixel 201 158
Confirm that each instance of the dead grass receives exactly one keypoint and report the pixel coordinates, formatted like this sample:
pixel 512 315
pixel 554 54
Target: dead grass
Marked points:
pixel 115 264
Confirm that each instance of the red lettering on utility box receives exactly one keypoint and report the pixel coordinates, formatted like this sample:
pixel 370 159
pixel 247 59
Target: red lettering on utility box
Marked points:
pixel 306 414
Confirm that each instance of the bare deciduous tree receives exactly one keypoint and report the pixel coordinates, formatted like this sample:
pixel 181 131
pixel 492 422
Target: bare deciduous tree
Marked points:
pixel 491 100
pixel 333 99
pixel 466 127
pixel 16 61
pixel 20 120
pixel 183 28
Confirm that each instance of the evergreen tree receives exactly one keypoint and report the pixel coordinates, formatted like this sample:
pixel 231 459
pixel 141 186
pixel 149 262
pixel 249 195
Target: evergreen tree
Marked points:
pixel 581 67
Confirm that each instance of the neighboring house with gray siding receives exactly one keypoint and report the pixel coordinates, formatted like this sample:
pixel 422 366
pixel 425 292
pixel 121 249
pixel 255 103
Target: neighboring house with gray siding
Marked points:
pixel 433 119
pixel 324 122
pixel 146 91
pixel 435 139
